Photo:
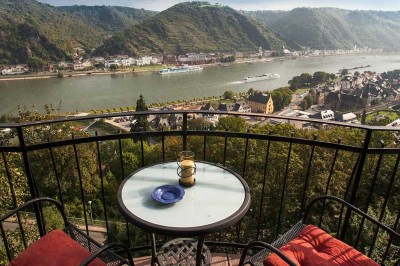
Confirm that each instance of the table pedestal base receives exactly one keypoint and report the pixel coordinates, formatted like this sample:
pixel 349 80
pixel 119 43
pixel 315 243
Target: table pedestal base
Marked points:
pixel 182 251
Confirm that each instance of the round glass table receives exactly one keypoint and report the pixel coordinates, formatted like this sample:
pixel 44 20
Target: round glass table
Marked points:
pixel 219 199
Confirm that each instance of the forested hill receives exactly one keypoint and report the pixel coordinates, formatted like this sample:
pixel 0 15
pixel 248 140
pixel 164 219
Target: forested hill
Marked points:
pixel 333 28
pixel 29 28
pixel 32 29
pixel 109 18
pixel 193 27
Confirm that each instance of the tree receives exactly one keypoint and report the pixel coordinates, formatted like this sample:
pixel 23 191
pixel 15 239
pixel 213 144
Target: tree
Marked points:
pixel 113 67
pixel 295 83
pixel 229 95
pixel 140 122
pixel 67 174
pixel 322 77
pixel 356 73
pixel 309 100
pixel 232 123
pixel 344 72
pixel 276 54
pixel 303 105
pixel 198 123
pixel 306 79
pixel 363 117
pixel 374 102
pixel 36 64
pixel 281 98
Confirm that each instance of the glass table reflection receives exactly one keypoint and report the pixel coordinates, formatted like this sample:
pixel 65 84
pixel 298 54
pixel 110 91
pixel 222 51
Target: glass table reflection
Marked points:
pixel 219 199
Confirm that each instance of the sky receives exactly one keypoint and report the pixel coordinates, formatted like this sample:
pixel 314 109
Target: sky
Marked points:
pixel 159 5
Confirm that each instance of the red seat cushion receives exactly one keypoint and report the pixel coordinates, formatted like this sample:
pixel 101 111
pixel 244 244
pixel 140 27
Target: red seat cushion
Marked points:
pixel 54 249
pixel 314 246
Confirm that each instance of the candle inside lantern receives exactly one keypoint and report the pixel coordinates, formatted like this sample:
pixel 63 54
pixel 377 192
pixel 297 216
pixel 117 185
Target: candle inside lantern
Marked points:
pixel 187 168
pixel 187 171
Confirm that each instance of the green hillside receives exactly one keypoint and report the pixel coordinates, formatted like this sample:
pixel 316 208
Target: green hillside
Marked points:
pixel 109 18
pixel 29 28
pixel 332 28
pixel 32 29
pixel 193 27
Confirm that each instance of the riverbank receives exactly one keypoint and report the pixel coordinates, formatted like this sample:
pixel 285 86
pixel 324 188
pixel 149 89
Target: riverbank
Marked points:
pixel 156 68
pixel 67 75
pixel 118 72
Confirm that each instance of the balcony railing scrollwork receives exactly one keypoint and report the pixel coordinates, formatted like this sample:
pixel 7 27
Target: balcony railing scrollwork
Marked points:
pixel 286 162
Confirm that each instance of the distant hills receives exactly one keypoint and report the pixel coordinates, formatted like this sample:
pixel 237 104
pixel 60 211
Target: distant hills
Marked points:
pixel 111 19
pixel 32 29
pixel 29 28
pixel 333 28
pixel 193 27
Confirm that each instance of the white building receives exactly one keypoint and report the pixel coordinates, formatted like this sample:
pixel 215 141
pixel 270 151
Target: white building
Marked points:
pixel 127 62
pixel 63 64
pixel 99 59
pixel 14 70
pixel 114 62
pixel 144 60
pixel 155 61
pixel 82 65
pixel 349 117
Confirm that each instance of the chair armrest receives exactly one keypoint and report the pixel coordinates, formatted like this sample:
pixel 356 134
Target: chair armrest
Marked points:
pixel 265 246
pixel 106 248
pixel 33 201
pixel 389 230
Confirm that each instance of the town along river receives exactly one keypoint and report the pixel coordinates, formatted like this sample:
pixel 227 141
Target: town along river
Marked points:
pixel 108 91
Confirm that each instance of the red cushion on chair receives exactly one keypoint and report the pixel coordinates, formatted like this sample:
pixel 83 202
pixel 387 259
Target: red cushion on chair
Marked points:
pixel 54 249
pixel 314 246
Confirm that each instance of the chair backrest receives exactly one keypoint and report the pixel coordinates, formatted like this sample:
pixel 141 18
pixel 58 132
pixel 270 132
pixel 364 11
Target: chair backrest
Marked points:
pixel 344 215
pixel 105 253
pixel 27 228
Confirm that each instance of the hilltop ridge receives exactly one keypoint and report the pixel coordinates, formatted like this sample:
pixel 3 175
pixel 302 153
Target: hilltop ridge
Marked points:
pixel 111 19
pixel 334 28
pixel 193 26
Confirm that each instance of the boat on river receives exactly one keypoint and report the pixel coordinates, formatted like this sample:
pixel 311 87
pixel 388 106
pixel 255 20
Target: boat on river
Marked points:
pixel 180 69
pixel 262 77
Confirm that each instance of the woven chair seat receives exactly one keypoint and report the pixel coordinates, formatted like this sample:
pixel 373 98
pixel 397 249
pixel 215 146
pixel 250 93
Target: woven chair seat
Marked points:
pixel 182 252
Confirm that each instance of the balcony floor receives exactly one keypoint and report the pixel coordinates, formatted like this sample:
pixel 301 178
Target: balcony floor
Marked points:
pixel 217 259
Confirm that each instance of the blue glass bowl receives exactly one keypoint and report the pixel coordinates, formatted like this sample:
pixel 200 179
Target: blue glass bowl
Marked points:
pixel 168 194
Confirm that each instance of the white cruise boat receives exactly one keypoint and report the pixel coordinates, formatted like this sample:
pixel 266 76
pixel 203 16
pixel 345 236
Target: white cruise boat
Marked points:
pixel 262 77
pixel 180 69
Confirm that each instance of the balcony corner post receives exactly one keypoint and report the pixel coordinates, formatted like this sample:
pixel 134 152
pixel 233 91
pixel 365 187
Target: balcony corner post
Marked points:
pixel 184 130
pixel 31 180
pixel 357 181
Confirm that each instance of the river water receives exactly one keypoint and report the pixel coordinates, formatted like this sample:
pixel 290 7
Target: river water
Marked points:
pixel 109 91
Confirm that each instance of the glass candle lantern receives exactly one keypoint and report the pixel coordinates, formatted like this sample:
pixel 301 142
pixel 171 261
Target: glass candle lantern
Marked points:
pixel 186 168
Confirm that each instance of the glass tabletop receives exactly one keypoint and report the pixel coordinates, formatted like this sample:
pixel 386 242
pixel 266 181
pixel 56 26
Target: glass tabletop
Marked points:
pixel 219 198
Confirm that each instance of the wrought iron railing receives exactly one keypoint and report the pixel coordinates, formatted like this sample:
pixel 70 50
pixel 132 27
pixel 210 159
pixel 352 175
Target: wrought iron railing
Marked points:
pixel 285 166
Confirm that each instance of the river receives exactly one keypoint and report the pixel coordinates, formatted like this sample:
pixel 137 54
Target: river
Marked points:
pixel 109 91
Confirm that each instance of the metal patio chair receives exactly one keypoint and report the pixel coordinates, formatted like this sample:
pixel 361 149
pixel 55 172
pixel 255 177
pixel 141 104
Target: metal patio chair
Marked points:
pixel 107 253
pixel 267 249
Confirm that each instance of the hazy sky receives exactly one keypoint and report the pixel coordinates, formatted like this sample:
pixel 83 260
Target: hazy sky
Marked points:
pixel 159 5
